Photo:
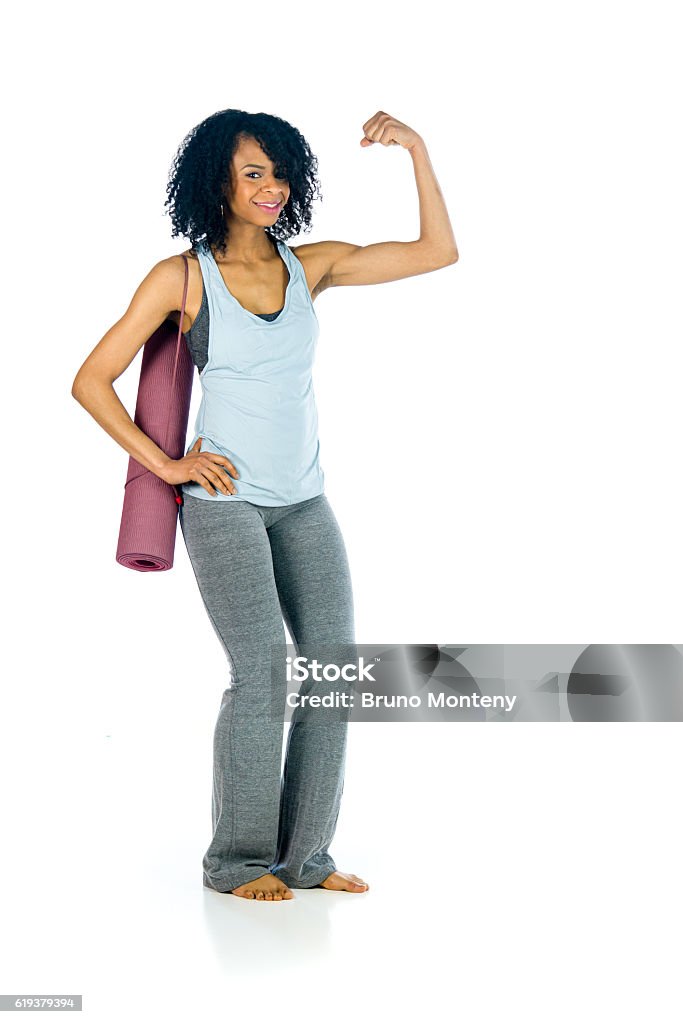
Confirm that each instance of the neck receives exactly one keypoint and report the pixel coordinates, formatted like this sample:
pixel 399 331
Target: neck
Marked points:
pixel 247 243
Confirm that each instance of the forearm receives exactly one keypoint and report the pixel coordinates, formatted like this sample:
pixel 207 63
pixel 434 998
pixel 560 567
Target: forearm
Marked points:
pixel 435 225
pixel 100 399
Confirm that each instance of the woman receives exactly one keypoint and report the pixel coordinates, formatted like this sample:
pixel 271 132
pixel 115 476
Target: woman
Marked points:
pixel 260 533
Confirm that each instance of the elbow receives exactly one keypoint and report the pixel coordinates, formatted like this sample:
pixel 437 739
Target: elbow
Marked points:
pixel 78 388
pixel 83 385
pixel 435 255
pixel 443 258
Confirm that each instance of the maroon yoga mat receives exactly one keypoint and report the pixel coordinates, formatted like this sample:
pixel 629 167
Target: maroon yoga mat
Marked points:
pixel 149 521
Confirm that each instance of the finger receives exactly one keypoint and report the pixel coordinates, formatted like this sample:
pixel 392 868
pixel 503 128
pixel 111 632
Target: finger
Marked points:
pixel 386 133
pixel 222 460
pixel 221 480
pixel 197 442
pixel 377 125
pixel 200 479
pixel 372 128
pixel 211 461
pixel 204 481
pixel 215 457
pixel 202 474
pixel 372 121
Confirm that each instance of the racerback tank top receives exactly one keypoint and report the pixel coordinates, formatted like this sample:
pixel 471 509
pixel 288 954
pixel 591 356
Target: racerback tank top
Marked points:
pixel 258 405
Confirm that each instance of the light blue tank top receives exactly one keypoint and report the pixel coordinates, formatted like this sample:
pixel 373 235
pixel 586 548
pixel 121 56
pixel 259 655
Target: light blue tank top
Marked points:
pixel 258 405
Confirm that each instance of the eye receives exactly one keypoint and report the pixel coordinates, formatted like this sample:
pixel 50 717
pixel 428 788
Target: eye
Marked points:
pixel 249 174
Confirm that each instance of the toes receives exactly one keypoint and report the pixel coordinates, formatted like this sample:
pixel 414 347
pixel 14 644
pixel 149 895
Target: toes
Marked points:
pixel 282 893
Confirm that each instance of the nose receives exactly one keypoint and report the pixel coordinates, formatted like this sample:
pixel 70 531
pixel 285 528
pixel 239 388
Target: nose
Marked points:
pixel 271 186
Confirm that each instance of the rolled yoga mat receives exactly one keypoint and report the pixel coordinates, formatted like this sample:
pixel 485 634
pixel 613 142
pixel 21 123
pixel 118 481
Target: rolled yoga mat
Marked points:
pixel 149 521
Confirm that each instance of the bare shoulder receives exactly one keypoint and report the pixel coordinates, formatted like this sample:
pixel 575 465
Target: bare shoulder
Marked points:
pixel 171 270
pixel 174 265
pixel 317 259
pixel 169 277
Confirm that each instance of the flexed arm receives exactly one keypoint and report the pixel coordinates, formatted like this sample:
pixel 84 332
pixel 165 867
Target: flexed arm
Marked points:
pixel 342 263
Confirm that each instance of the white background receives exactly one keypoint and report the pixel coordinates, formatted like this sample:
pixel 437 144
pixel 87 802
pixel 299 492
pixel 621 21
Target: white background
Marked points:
pixel 501 443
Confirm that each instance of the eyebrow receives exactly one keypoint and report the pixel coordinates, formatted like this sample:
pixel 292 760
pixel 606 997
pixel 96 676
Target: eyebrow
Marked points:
pixel 260 166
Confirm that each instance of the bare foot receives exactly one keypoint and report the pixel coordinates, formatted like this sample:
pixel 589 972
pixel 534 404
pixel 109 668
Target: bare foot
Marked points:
pixel 266 887
pixel 339 880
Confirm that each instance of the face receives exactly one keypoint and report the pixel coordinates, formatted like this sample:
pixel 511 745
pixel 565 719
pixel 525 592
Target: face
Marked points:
pixel 254 186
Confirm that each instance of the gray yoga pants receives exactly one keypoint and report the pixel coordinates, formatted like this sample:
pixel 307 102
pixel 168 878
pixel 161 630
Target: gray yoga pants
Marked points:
pixel 255 566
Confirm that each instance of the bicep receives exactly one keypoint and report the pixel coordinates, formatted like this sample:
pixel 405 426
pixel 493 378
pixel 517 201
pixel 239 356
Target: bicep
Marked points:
pixel 155 298
pixel 379 262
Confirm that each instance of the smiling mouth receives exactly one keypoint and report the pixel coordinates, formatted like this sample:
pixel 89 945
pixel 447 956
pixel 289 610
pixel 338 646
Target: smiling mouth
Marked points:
pixel 270 206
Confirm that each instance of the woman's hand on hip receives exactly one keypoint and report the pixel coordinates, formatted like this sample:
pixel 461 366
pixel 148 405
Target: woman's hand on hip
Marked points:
pixel 205 468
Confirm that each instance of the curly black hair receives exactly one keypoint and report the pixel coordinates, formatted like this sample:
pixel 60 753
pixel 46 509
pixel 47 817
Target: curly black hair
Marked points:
pixel 201 167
